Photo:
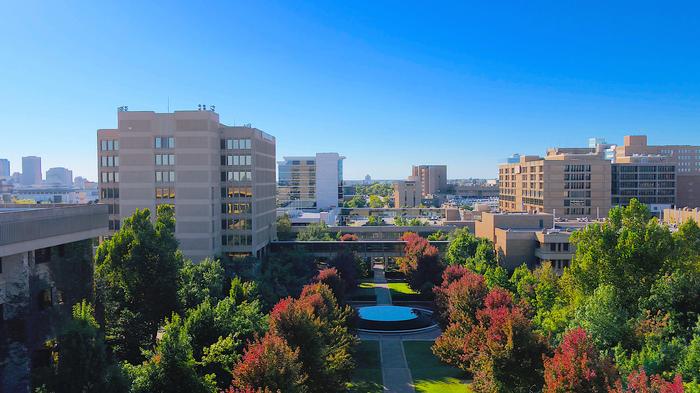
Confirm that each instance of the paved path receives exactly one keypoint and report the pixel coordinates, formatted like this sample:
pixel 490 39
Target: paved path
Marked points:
pixel 381 288
pixel 395 372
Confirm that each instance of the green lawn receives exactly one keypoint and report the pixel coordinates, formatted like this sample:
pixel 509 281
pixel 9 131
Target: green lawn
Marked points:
pixel 363 291
pixel 429 374
pixel 401 291
pixel 367 377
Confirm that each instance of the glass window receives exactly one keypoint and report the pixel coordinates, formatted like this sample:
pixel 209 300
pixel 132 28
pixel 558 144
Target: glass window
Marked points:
pixel 159 176
pixel 172 175
pixel 158 143
pixel 116 145
pixel 110 145
pixel 171 142
pixel 171 159
pixel 103 144
pixel 110 161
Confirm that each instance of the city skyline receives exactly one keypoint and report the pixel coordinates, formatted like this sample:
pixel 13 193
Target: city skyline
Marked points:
pixel 370 84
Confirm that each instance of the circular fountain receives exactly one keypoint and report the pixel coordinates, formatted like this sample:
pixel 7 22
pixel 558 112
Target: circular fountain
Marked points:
pixel 395 319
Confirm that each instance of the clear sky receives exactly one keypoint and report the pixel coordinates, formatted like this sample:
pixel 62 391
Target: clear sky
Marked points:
pixel 387 84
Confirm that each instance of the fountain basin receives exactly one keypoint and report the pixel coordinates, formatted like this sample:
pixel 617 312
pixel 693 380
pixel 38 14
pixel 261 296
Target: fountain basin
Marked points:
pixel 394 318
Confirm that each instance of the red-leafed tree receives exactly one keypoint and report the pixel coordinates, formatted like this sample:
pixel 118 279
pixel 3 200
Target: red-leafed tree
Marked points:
pixel 269 364
pixel 348 266
pixel 577 367
pixel 639 382
pixel 349 237
pixel 330 277
pixel 498 347
pixel 460 295
pixel 318 328
pixel 421 263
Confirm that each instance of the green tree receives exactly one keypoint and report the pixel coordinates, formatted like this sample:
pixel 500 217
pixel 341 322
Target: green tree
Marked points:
pixel 170 367
pixel 284 227
pixel 137 276
pixel 437 236
pixel 200 281
pixel 462 247
pixel 375 221
pixel 629 251
pixel 80 360
pixel 284 274
pixel 375 202
pixel 358 201
pixel 603 317
pixel 689 366
pixel 315 232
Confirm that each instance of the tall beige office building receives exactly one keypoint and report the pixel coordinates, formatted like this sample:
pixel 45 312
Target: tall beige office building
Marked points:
pixel 220 179
pixel 685 159
pixel 407 193
pixel 570 183
pixel 432 178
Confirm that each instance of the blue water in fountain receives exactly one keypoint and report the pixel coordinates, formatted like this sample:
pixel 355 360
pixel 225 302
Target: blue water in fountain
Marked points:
pixel 387 313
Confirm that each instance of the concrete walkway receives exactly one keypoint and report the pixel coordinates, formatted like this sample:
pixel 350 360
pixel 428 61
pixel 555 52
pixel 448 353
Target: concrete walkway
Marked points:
pixel 395 372
pixel 381 288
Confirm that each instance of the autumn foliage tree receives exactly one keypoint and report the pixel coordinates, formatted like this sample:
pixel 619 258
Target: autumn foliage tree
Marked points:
pixel 498 347
pixel 421 263
pixel 332 279
pixel 460 295
pixel 576 366
pixel 316 326
pixel 269 365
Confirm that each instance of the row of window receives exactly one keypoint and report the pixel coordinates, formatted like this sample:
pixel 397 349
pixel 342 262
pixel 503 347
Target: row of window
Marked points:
pixel 236 192
pixel 109 177
pixel 165 159
pixel 165 176
pixel 109 192
pixel 236 240
pixel 577 168
pixel 235 144
pixel 108 161
pixel 236 176
pixel 235 208
pixel 109 144
pixel 164 142
pixel 236 160
pixel 165 192
pixel 236 223
pixel 113 208
pixel 114 225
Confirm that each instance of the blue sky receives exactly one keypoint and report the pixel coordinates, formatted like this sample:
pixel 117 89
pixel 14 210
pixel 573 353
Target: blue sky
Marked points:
pixel 387 84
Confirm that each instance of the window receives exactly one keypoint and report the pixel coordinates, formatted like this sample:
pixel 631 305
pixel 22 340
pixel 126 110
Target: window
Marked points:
pixel 165 176
pixel 552 247
pixel 103 145
pixel 162 142
pixel 165 159
pixel 236 144
pixel 165 192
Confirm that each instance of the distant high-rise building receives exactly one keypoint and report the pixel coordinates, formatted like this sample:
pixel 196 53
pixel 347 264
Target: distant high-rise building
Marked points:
pixel 60 176
pixel 31 170
pixel 432 178
pixel 4 168
pixel 407 193
pixel 220 179
pixel 313 182
pixel 368 179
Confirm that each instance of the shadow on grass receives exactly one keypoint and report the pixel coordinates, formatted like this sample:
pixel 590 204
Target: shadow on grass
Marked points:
pixel 367 377
pixel 429 374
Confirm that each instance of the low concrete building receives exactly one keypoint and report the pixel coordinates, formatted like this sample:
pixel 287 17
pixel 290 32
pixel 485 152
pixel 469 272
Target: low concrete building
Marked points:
pixel 46 265
pixel 529 238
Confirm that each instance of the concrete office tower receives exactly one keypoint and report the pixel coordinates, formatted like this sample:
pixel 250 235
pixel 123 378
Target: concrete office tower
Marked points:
pixel 4 168
pixel 407 193
pixel 570 183
pixel 313 182
pixel 60 176
pixel 220 179
pixel 685 158
pixel 31 170
pixel 649 179
pixel 432 178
